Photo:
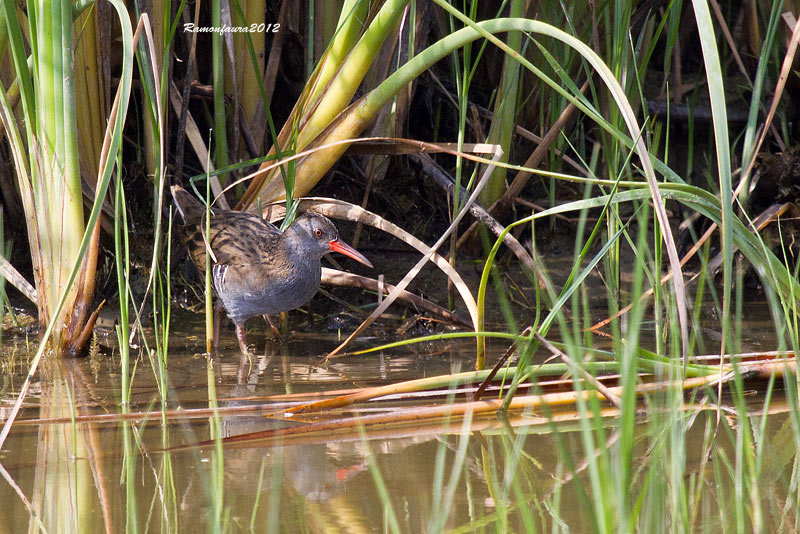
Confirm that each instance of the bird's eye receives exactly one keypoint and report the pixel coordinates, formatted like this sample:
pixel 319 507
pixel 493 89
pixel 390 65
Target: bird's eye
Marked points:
pixel 317 232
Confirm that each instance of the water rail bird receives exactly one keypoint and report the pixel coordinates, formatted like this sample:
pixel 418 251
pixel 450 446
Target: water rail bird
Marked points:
pixel 256 268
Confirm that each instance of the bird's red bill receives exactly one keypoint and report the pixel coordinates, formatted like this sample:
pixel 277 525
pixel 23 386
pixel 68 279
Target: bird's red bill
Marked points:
pixel 343 248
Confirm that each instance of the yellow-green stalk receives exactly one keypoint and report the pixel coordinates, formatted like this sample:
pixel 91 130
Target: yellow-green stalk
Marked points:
pixel 48 168
pixel 209 307
pixel 56 175
pixel 337 79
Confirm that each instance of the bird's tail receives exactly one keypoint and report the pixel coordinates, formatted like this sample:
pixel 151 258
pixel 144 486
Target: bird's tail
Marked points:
pixel 191 209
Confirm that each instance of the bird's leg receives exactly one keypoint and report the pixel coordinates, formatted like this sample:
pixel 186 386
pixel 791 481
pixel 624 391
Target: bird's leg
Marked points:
pixel 241 335
pixel 219 308
pixel 276 333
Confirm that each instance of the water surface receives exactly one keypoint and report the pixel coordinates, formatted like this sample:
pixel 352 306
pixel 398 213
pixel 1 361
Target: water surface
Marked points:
pixel 76 462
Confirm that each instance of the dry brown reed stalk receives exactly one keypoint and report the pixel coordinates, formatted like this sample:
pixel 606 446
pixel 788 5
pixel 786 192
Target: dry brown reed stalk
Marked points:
pixel 293 406
pixel 530 421
pixel 439 426
pixel 339 278
pixel 345 210
pixel 453 412
pixel 761 365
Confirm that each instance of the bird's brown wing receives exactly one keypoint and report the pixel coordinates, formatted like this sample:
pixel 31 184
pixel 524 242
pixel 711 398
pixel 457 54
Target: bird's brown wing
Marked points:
pixel 235 238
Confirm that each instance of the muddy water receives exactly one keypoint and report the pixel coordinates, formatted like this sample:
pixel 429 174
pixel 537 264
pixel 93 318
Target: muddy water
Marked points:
pixel 73 463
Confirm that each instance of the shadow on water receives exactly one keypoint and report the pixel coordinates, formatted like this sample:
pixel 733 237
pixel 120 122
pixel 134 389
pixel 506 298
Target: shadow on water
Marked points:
pixel 74 463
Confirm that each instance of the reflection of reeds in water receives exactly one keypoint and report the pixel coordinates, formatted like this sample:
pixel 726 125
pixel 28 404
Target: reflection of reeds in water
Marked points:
pixel 216 486
pixel 70 475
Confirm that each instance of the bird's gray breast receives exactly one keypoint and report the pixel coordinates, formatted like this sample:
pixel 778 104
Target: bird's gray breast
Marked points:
pixel 256 294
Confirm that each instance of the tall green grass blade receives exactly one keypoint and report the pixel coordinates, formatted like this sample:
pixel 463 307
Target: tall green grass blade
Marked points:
pixel 716 89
